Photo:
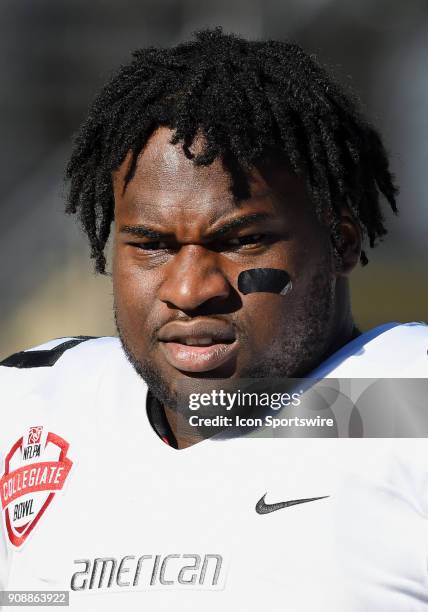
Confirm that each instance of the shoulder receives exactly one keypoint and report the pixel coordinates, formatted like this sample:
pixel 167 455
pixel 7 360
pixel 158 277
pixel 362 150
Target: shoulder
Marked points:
pixel 61 359
pixel 48 353
pixel 68 385
pixel 60 351
pixel 388 351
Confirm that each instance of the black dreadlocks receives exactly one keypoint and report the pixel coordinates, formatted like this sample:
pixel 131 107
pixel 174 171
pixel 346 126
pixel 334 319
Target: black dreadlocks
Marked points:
pixel 248 99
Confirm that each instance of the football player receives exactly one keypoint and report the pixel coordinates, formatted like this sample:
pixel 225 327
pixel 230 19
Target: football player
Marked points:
pixel 240 185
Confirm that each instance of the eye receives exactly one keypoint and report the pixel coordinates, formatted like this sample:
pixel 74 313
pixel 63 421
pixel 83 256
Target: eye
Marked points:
pixel 246 240
pixel 155 245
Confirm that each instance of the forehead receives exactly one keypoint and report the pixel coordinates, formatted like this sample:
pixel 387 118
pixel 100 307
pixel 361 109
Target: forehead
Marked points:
pixel 168 186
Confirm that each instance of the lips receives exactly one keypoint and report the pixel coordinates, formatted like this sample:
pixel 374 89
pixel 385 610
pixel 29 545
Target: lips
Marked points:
pixel 199 346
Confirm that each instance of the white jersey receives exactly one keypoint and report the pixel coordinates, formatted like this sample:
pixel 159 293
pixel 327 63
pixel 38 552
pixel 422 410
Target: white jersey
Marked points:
pixel 93 502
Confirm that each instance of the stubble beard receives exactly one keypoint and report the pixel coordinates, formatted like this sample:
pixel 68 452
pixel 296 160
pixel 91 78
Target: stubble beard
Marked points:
pixel 289 356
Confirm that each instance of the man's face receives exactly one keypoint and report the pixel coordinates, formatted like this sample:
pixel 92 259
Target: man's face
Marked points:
pixel 180 243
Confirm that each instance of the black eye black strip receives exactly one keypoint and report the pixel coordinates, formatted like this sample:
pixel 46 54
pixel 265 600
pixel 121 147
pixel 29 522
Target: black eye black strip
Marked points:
pixel 271 280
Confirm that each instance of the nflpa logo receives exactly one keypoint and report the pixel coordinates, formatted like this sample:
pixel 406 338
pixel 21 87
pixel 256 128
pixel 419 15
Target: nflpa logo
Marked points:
pixel 34 434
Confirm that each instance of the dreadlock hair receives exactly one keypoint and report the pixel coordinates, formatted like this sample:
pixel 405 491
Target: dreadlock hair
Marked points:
pixel 247 98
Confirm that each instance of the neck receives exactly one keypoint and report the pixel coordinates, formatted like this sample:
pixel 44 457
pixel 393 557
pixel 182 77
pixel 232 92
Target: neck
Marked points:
pixel 345 329
pixel 183 433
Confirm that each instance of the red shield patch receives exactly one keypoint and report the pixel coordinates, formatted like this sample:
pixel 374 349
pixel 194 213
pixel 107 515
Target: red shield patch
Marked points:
pixel 35 469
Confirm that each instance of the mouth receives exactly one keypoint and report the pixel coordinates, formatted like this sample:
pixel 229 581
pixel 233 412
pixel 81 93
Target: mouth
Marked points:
pixel 197 347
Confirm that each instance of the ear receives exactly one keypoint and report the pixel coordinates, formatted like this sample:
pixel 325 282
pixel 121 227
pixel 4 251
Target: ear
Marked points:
pixel 350 242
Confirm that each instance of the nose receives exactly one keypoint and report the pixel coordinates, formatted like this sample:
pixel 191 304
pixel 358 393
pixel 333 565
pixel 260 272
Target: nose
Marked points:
pixel 193 278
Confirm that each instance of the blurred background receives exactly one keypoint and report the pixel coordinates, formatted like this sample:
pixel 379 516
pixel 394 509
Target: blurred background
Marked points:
pixel 55 54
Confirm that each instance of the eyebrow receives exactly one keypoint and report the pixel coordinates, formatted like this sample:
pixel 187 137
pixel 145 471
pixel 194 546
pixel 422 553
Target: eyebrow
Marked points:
pixel 143 231
pixel 241 222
